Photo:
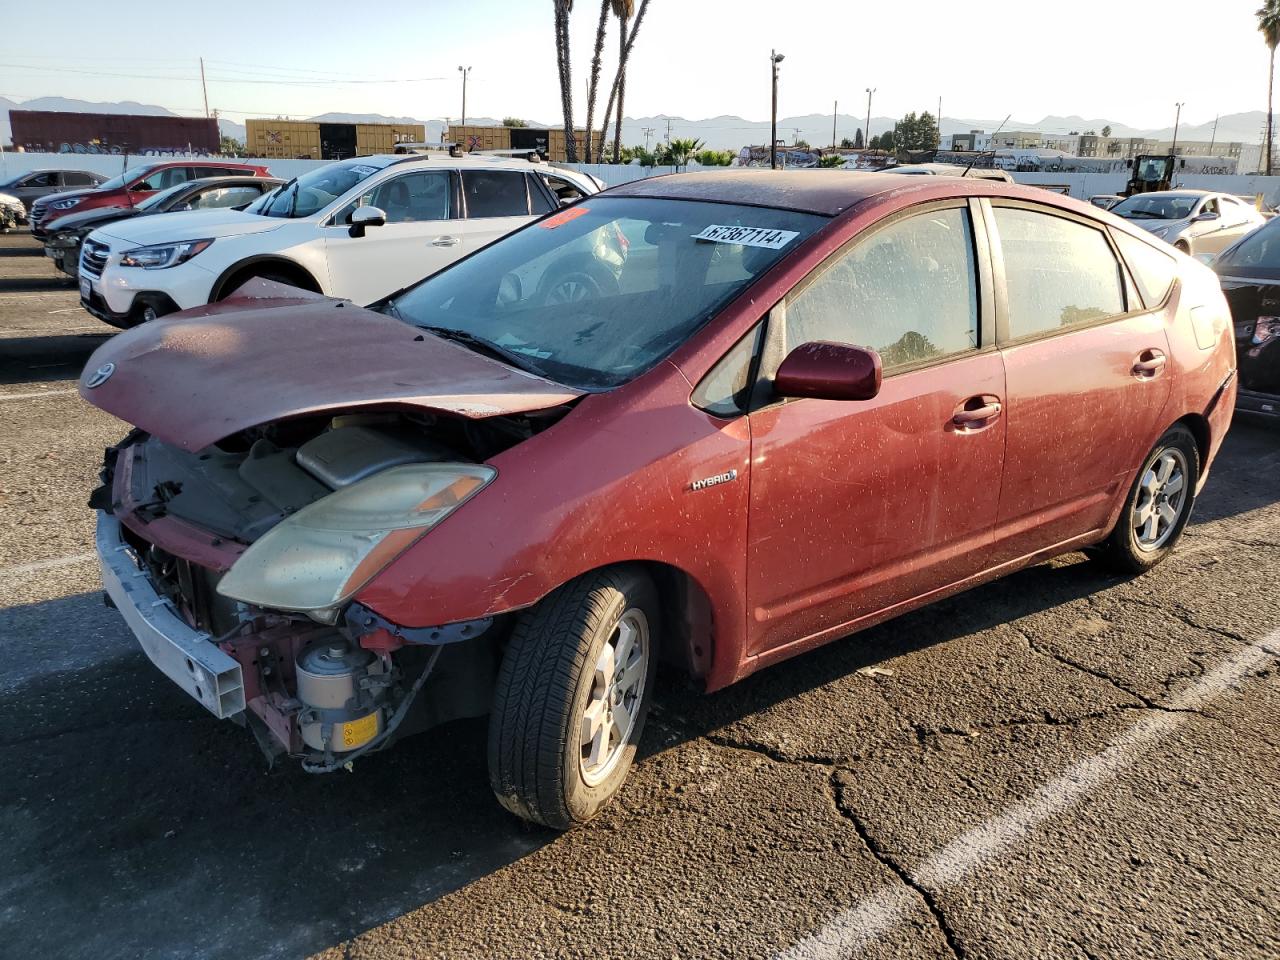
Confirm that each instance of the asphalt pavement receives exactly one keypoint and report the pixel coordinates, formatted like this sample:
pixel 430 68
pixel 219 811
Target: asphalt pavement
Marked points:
pixel 1063 764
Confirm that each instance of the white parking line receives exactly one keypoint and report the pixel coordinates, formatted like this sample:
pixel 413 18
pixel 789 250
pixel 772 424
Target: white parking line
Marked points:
pixel 35 396
pixel 858 926
pixel 25 568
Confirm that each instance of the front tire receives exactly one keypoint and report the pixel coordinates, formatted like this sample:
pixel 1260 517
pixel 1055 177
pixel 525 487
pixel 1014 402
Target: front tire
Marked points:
pixel 1158 506
pixel 572 696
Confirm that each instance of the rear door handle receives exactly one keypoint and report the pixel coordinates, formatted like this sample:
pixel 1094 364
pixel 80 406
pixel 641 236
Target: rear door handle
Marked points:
pixel 1149 364
pixel 446 241
pixel 977 412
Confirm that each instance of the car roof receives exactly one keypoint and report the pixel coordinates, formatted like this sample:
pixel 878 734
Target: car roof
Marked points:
pixel 826 192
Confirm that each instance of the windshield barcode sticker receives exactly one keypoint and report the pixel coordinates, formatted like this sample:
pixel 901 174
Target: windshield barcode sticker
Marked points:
pixel 747 236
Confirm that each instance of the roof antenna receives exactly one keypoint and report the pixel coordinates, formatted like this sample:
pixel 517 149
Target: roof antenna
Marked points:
pixel 985 152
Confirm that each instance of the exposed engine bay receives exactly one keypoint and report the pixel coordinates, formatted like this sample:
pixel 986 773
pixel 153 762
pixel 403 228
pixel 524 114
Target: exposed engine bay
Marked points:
pixel 324 688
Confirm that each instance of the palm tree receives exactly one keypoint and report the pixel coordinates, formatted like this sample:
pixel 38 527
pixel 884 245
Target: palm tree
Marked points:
pixel 623 10
pixel 594 83
pixel 563 9
pixel 630 41
pixel 1269 24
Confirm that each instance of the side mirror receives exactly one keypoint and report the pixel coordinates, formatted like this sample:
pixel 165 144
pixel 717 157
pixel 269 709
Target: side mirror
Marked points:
pixel 510 289
pixel 829 371
pixel 366 217
pixel 1207 215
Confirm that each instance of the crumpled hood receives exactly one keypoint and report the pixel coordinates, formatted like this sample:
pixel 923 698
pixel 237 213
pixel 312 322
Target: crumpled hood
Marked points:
pixel 189 225
pixel 272 351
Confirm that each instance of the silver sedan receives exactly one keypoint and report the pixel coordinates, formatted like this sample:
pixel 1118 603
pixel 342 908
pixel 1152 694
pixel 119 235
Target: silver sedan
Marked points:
pixel 1197 222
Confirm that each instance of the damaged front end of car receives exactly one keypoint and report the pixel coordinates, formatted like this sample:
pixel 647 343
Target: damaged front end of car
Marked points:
pixel 237 563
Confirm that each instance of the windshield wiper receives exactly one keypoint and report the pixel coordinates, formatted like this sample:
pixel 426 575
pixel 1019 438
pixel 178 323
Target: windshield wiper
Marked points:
pixel 481 345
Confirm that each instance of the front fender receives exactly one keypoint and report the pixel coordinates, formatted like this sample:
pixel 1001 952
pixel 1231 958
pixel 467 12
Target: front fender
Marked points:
pixel 613 482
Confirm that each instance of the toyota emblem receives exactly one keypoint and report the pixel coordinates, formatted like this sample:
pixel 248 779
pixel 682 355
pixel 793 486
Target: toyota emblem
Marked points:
pixel 100 376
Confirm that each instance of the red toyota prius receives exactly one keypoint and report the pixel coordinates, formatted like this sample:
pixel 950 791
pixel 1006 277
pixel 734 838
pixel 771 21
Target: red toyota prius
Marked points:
pixel 769 410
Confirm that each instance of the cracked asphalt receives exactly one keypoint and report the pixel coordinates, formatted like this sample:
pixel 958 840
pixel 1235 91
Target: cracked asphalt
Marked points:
pixel 1063 764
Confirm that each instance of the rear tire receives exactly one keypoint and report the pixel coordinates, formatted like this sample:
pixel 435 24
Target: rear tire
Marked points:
pixel 1157 508
pixel 567 713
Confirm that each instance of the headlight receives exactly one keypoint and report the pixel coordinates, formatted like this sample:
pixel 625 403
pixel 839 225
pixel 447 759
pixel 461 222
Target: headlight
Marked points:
pixel 65 204
pixel 317 559
pixel 163 255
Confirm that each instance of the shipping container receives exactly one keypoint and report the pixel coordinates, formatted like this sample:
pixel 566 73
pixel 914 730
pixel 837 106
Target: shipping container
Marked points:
pixel 310 140
pixel 54 131
pixel 548 142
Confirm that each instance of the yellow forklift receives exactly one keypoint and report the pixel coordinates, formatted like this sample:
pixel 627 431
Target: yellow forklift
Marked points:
pixel 1151 173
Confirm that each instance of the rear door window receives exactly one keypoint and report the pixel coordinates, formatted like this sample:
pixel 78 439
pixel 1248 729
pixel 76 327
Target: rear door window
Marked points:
pixel 77 178
pixel 909 291
pixel 1058 272
pixel 495 193
pixel 216 198
pixel 1153 270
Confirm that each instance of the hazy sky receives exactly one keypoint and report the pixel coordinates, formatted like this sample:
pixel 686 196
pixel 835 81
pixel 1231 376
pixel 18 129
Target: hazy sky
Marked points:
pixel 697 58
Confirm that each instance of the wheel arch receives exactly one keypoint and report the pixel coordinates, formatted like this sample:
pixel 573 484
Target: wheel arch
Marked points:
pixel 242 270
pixel 1199 427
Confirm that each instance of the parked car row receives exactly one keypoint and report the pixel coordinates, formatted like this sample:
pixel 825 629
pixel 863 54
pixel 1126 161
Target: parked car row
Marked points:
pixel 65 235
pixel 357 229
pixel 713 420
pixel 130 187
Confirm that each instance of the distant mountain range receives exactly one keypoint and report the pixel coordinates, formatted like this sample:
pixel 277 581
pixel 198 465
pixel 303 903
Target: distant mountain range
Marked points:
pixel 718 133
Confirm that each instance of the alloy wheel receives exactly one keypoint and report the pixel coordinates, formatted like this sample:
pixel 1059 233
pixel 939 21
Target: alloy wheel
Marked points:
pixel 1162 496
pixel 617 688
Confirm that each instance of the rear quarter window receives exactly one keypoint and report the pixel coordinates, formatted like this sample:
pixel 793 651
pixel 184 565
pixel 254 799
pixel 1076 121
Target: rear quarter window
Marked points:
pixel 1153 270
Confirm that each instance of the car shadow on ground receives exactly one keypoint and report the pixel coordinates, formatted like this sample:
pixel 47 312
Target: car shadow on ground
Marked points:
pixel 41 359
pixel 1246 474
pixel 126 798
pixel 135 823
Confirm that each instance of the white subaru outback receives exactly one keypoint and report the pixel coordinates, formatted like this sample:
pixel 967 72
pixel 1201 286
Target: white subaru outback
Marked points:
pixel 358 229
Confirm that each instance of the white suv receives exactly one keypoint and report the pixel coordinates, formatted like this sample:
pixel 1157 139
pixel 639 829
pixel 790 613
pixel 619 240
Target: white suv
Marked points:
pixel 357 229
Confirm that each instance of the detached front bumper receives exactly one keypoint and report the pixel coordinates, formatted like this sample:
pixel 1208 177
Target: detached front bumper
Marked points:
pixel 185 655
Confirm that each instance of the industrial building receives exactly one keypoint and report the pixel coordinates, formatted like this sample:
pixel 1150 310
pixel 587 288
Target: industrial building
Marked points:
pixel 311 140
pixel 55 131
pixel 548 142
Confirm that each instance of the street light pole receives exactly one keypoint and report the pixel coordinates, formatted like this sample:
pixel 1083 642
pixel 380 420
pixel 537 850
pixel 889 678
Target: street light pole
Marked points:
pixel 775 58
pixel 866 139
pixel 1173 149
pixel 464 71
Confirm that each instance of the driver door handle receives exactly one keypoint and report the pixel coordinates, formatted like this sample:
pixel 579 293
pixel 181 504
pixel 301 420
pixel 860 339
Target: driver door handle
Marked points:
pixel 976 413
pixel 446 241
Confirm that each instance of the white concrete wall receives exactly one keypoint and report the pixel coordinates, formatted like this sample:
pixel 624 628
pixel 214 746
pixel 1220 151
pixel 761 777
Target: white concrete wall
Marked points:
pixel 12 163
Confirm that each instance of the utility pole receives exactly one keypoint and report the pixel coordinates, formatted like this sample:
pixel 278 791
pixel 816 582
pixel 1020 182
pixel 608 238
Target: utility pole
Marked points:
pixel 866 140
pixel 1214 139
pixel 1173 149
pixel 775 58
pixel 204 89
pixel 668 130
pixel 464 71
pixel 835 111
pixel 648 132
pixel 939 119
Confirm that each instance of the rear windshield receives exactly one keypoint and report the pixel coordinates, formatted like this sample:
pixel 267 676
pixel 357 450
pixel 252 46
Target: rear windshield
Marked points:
pixel 597 293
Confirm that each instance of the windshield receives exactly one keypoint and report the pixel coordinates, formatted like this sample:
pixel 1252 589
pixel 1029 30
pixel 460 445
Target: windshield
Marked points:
pixel 1152 168
pixel 313 191
pixel 598 293
pixel 1153 206
pixel 130 175
pixel 1259 250
pixel 156 199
